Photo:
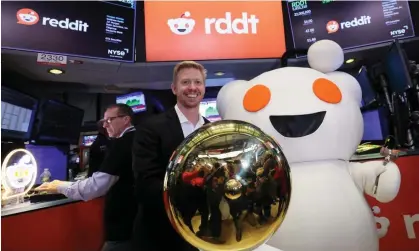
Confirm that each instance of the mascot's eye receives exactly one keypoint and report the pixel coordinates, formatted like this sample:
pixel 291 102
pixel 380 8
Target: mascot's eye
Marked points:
pixel 327 91
pixel 256 98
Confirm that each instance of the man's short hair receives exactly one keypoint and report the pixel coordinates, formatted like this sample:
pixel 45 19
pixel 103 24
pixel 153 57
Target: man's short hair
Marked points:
pixel 187 65
pixel 123 110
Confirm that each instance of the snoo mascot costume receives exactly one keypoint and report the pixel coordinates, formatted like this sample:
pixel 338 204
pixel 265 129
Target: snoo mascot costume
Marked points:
pixel 314 114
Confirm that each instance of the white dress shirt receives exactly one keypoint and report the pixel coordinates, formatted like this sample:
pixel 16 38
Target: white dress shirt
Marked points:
pixel 187 126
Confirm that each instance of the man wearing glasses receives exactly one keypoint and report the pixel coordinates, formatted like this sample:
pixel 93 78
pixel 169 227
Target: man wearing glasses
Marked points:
pixel 114 179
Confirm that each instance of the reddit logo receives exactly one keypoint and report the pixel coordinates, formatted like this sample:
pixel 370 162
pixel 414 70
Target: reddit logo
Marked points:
pixel 182 25
pixel 332 26
pixel 27 16
pixel 382 222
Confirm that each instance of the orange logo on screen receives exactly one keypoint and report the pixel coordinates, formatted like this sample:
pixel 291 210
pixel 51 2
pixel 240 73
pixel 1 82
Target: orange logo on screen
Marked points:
pixel 27 16
pixel 332 26
pixel 213 30
pixel 183 25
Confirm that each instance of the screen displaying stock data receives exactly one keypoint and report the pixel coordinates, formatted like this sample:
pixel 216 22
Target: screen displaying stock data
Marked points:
pixel 17 114
pixel 93 29
pixel 349 23
pixel 208 109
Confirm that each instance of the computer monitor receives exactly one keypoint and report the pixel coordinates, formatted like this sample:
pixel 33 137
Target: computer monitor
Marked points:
pixel 368 93
pixel 87 140
pixel 135 100
pixel 396 69
pixel 208 109
pixel 58 123
pixel 52 157
pixel 376 125
pixel 18 112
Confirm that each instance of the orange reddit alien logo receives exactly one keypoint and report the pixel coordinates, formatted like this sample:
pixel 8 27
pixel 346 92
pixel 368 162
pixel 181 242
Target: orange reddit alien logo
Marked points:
pixel 332 26
pixel 27 17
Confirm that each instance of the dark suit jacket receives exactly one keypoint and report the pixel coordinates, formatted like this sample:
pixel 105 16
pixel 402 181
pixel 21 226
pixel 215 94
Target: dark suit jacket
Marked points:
pixel 154 143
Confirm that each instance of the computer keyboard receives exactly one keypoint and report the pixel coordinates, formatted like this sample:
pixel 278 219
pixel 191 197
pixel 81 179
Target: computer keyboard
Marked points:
pixel 45 197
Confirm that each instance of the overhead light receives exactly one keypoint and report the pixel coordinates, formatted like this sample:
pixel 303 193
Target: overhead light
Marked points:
pixel 219 73
pixel 56 71
pixel 351 60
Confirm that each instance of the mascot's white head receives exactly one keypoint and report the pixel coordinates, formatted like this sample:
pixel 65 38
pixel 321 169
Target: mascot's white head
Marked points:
pixel 313 113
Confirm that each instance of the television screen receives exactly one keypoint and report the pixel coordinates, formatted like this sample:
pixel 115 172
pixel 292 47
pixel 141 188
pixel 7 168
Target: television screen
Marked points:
pixel 208 109
pixel 18 112
pixel 349 23
pixel 93 29
pixel 52 157
pixel 59 122
pixel 88 140
pixel 135 100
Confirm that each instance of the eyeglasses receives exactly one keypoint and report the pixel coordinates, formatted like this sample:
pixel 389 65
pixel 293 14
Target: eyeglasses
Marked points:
pixel 109 120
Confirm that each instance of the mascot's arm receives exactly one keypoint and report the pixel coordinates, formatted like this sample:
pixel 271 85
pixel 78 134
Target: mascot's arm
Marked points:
pixel 365 177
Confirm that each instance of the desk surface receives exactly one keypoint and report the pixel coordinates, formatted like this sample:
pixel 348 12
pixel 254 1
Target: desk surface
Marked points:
pixel 372 156
pixel 27 206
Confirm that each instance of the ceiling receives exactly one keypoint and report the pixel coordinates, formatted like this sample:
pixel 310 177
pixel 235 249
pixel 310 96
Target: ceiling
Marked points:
pixel 113 76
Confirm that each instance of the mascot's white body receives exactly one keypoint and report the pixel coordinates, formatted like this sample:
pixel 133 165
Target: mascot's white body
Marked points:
pixel 314 114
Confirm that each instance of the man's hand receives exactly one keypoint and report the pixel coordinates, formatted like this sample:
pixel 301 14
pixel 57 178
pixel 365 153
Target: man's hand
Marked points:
pixel 50 187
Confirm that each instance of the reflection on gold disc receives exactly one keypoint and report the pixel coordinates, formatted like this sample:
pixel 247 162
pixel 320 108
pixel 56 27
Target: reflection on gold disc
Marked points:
pixel 227 187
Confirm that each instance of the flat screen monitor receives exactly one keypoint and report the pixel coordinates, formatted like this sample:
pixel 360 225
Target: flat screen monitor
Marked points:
pixel 135 100
pixel 59 122
pixel 375 126
pixel 208 109
pixel 396 69
pixel 52 157
pixel 18 113
pixel 349 23
pixel 92 29
pixel 368 93
pixel 87 140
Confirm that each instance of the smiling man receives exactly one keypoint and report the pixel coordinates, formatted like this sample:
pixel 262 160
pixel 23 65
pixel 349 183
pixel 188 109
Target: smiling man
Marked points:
pixel 154 143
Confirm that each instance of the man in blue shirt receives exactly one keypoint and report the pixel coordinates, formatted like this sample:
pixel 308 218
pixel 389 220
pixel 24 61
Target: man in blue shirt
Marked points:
pixel 114 180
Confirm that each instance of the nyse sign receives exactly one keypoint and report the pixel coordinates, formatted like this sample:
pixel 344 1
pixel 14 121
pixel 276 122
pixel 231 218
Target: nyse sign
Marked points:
pixel 118 53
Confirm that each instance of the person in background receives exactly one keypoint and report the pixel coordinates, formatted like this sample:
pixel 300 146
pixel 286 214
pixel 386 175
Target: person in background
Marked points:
pixel 155 140
pixel 98 151
pixel 114 179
